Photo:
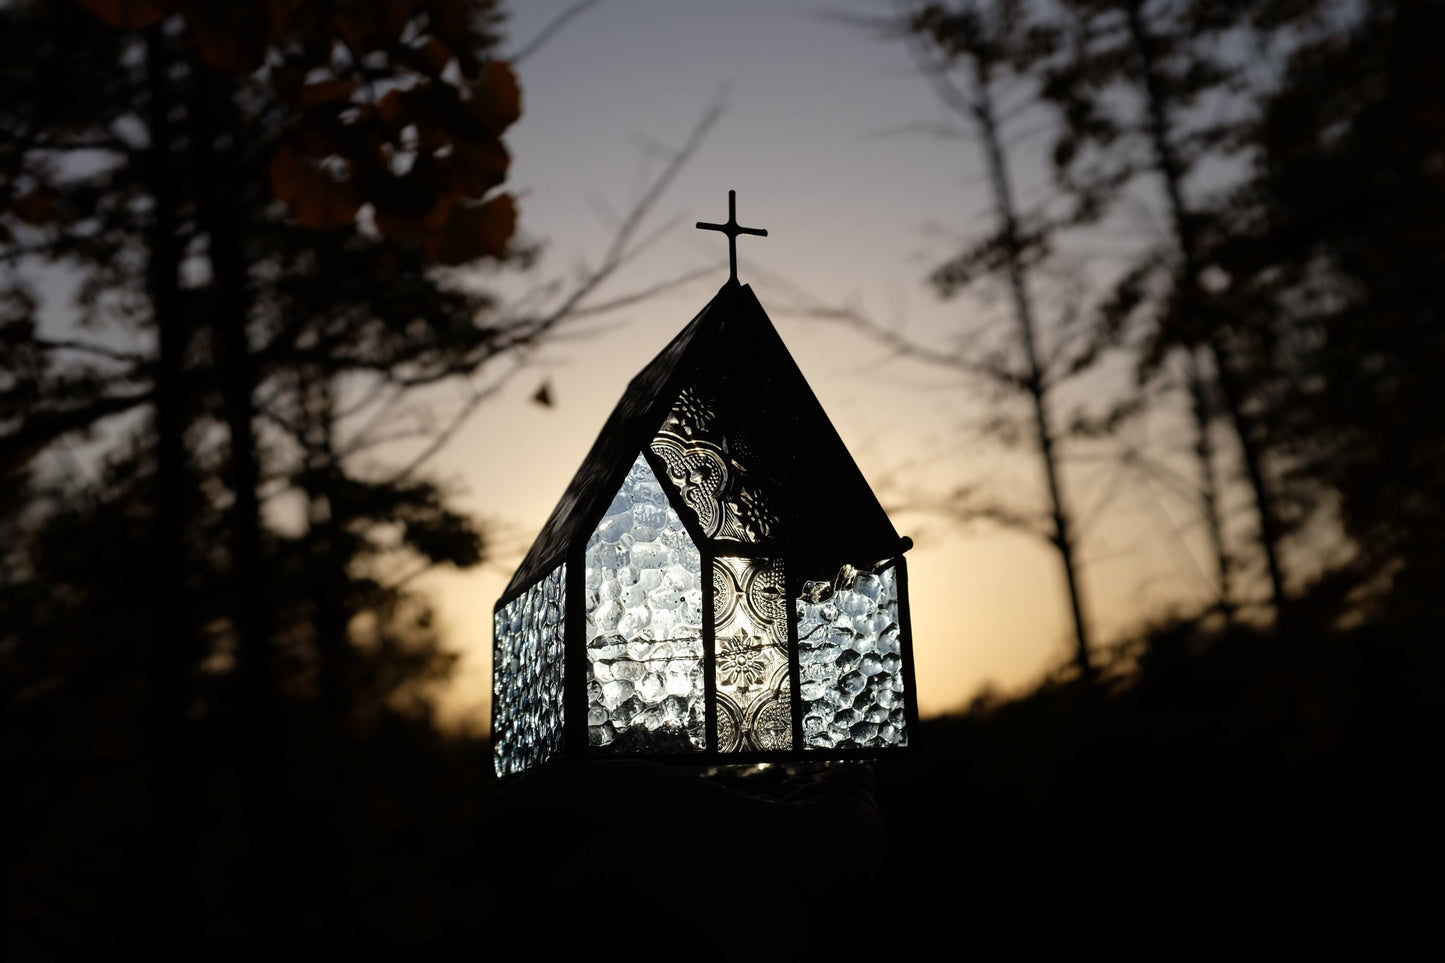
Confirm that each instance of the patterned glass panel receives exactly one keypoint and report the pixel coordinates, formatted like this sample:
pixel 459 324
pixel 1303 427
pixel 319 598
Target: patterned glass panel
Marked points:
pixel 851 656
pixel 644 625
pixel 750 625
pixel 527 678
pixel 717 472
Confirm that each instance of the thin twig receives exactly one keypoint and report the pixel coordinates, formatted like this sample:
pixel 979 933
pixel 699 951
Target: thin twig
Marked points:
pixel 89 348
pixel 619 252
pixel 551 30
pixel 440 439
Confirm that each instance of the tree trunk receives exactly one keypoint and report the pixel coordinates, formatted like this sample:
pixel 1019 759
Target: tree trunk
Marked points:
pixel 330 614
pixel 221 185
pixel 1202 409
pixel 1231 386
pixel 1062 536
pixel 171 797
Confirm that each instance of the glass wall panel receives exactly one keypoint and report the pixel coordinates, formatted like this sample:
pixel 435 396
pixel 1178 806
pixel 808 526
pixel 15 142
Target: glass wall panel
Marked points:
pixel 851 661
pixel 717 472
pixel 750 626
pixel 528 682
pixel 644 625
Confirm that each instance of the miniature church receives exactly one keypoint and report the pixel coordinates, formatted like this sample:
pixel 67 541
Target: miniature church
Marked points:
pixel 718 583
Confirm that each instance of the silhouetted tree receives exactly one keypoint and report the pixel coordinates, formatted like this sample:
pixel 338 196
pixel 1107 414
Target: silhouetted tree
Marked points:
pixel 250 204
pixel 1140 86
pixel 970 52
pixel 1332 258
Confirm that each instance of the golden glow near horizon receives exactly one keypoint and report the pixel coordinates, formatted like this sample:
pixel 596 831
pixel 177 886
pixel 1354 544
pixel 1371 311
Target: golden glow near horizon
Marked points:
pixel 987 603
pixel 854 218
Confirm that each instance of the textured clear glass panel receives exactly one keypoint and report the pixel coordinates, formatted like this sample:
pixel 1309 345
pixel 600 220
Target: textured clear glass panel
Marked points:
pixel 527 677
pixel 710 469
pixel 851 661
pixel 644 625
pixel 750 629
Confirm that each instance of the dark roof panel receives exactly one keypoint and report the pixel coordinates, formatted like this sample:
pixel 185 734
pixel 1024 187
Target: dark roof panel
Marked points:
pixel 799 488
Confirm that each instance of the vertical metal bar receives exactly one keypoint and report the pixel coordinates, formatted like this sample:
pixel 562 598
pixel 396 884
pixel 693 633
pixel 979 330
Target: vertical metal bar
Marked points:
pixel 574 657
pixel 794 587
pixel 905 631
pixel 709 651
pixel 496 695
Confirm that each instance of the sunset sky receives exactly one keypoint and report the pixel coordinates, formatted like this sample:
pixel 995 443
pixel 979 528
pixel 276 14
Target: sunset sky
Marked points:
pixel 822 137
pixel 273 363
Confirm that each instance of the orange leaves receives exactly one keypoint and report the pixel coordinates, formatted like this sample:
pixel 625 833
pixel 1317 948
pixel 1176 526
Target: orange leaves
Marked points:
pixel 422 106
pixel 449 19
pixel 316 199
pixel 366 25
pixel 392 106
pixel 35 207
pixel 411 204
pixel 496 98
pixel 459 158
pixel 431 57
pixel 326 92
pixel 453 155
pixel 474 231
pixel 132 14
pixel 289 177
pixel 476 168
pixel 232 37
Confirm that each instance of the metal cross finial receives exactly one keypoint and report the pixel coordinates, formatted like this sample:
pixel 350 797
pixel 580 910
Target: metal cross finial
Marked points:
pixel 732 230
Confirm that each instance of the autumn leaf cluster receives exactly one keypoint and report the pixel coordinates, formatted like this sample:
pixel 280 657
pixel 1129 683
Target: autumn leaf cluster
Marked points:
pixel 394 117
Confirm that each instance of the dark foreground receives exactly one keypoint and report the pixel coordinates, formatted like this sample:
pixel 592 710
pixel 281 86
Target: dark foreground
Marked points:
pixel 1217 794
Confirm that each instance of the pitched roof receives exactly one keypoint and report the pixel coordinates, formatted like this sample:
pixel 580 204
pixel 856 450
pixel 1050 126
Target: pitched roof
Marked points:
pixel 772 432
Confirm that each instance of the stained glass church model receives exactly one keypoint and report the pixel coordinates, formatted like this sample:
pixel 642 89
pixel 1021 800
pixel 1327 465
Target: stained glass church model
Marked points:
pixel 718 584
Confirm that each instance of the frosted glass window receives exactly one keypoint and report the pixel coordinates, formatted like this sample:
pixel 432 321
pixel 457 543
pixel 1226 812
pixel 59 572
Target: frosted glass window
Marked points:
pixel 750 619
pixel 851 660
pixel 528 681
pixel 710 469
pixel 644 625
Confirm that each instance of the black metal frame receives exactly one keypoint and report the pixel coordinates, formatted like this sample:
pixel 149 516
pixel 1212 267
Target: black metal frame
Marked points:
pixel 574 716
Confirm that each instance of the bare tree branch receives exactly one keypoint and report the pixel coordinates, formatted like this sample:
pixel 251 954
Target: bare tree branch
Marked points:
pixel 89 348
pixel 623 247
pixel 469 406
pixel 809 307
pixel 551 30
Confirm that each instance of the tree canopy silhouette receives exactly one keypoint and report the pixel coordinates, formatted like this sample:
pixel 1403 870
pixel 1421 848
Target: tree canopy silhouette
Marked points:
pixel 1331 256
pixel 229 235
